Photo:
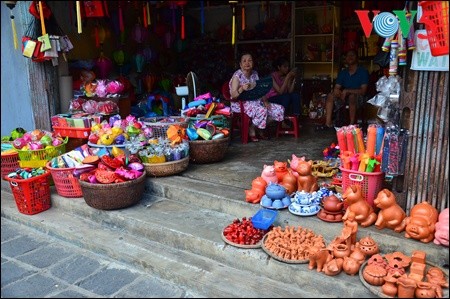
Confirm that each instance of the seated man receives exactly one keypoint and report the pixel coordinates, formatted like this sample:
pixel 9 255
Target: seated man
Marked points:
pixel 351 85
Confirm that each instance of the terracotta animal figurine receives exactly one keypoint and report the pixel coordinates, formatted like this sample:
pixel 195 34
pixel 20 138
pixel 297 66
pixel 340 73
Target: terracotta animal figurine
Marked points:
pixel 441 234
pixel 305 180
pixel 421 223
pixel 391 215
pixel 253 195
pixel 269 175
pixel 364 213
pixel 294 163
pixel 281 169
pixel 318 257
pixel 289 182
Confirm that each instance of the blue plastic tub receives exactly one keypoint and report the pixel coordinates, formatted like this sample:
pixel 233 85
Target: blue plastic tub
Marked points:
pixel 264 218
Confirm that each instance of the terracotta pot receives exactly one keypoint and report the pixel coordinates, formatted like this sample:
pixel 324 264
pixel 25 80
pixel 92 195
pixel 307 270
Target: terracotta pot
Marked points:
pixel 341 250
pixel 389 287
pixel 374 274
pixel 406 287
pixel 425 290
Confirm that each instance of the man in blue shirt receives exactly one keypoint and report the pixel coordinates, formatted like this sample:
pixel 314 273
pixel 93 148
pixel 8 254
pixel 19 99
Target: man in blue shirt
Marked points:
pixel 351 84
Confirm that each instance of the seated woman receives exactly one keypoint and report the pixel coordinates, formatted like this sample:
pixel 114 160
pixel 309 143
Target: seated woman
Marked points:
pixel 260 110
pixel 282 91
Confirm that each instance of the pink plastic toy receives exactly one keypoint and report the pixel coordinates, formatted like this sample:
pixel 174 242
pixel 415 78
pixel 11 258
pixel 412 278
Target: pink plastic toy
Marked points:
pixel 269 175
pixel 441 234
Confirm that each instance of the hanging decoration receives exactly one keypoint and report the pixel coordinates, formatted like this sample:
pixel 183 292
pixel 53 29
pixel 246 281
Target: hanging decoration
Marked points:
pixel 99 35
pixel 139 34
pixel 78 7
pixel 173 7
pixel 243 15
pixel 202 17
pixel 11 5
pixel 144 15
pixel 121 27
pixel 148 13
pixel 182 4
pixel 233 21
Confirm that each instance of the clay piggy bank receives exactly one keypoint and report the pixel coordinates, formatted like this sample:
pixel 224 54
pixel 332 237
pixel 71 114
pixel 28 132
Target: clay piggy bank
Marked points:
pixel 420 224
pixel 364 213
pixel 305 180
pixel 269 175
pixel 294 163
pixel 281 169
pixel 391 215
pixel 289 182
pixel 253 195
pixel 441 234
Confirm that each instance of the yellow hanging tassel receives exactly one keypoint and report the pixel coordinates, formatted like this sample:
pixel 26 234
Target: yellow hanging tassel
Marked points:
pixel 14 32
pixel 80 30
pixel 233 28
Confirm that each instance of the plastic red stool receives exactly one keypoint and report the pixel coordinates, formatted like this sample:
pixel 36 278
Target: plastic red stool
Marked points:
pixel 291 131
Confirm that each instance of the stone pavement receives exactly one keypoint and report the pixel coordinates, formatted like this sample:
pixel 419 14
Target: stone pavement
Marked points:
pixel 36 265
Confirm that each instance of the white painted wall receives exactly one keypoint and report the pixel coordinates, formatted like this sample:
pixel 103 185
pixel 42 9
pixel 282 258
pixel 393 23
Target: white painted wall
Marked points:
pixel 16 98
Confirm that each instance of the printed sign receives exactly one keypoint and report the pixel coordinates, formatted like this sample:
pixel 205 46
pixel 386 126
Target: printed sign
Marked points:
pixel 422 60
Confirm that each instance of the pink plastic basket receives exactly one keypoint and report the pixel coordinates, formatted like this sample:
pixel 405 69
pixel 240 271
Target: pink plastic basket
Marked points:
pixel 370 182
pixel 66 183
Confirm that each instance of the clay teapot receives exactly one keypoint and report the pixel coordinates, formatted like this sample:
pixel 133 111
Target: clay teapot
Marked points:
pixel 332 203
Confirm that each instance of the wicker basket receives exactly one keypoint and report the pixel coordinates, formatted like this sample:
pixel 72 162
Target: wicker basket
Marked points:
pixel 167 168
pixel 113 196
pixel 160 124
pixel 208 151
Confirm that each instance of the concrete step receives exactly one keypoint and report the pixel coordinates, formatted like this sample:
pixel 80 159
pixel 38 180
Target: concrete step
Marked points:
pixel 181 216
pixel 231 200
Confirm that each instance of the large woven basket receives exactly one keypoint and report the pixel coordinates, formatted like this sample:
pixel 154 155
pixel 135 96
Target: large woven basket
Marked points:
pixel 208 151
pixel 166 168
pixel 113 196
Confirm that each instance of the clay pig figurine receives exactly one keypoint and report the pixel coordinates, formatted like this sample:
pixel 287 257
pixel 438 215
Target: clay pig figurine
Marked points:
pixel 269 175
pixel 441 234
pixel 420 224
pixel 391 215
pixel 281 169
pixel 364 213
pixel 294 163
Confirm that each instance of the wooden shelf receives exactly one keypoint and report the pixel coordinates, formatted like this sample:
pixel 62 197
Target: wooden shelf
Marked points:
pixel 257 41
pixel 315 35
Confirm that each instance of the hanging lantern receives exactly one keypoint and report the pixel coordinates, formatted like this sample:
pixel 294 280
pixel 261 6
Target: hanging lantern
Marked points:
pixel 139 34
pixel 99 35
pixel 104 66
pixel 11 5
pixel 119 57
pixel 168 39
pixel 147 52
pixel 140 62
